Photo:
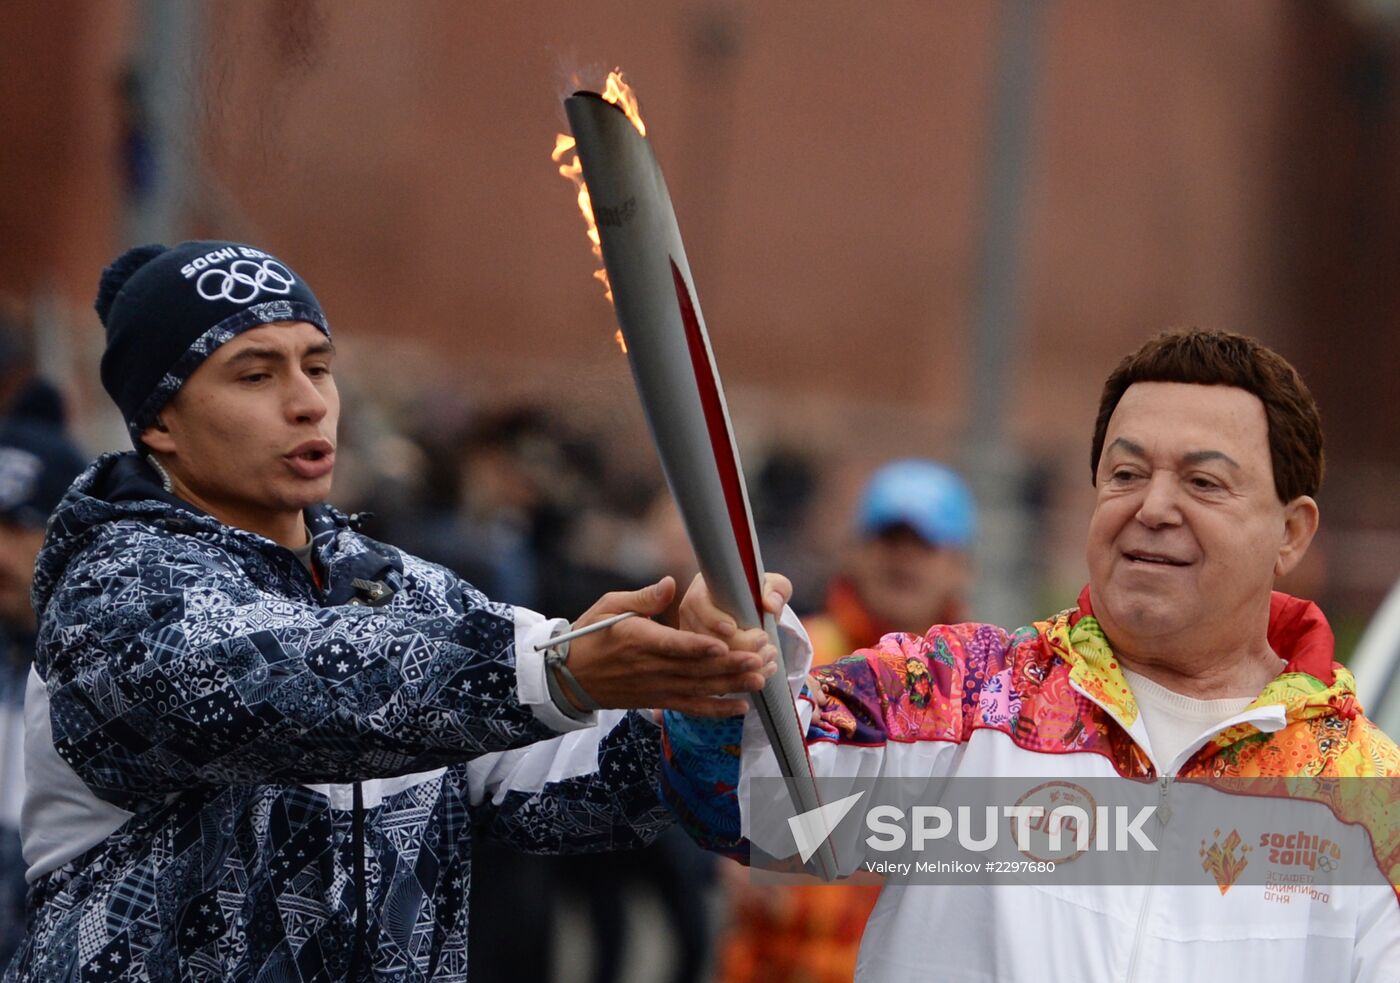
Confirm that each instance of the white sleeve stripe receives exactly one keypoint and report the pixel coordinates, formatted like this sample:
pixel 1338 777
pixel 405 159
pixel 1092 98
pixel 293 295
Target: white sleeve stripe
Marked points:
pixel 530 769
pixel 61 818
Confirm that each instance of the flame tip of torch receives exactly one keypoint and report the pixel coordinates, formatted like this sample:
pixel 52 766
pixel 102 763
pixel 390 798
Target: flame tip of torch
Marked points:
pixel 621 97
pixel 616 92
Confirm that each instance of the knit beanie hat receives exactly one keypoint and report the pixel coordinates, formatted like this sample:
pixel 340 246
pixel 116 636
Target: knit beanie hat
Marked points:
pixel 167 308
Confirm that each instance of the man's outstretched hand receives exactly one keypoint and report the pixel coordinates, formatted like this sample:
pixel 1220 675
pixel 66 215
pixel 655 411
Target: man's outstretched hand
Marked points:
pixel 638 663
pixel 700 615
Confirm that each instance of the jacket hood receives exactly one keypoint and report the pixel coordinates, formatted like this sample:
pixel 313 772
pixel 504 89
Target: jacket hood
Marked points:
pixel 122 486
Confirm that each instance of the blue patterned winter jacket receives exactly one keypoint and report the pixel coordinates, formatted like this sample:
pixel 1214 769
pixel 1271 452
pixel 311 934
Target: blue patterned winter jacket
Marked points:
pixel 239 771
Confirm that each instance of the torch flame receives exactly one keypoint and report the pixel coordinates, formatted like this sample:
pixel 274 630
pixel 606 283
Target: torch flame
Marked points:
pixel 620 94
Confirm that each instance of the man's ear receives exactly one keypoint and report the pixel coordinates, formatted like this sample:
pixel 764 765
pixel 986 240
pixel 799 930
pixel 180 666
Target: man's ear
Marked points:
pixel 157 437
pixel 1300 518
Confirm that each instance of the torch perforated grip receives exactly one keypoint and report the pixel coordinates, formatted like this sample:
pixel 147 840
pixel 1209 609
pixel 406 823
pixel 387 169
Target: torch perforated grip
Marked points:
pixel 674 370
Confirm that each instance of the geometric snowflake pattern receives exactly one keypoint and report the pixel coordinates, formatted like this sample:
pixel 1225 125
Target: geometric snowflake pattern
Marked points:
pixel 199 678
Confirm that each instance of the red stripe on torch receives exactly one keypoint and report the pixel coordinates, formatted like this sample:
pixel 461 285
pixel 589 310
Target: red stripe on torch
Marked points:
pixel 725 464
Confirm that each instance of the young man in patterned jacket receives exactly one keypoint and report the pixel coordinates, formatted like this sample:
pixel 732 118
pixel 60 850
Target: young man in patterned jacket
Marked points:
pixel 258 740
pixel 1178 662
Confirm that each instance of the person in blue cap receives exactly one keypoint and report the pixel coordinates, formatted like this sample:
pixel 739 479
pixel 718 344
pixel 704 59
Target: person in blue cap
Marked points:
pixel 910 566
pixel 37 463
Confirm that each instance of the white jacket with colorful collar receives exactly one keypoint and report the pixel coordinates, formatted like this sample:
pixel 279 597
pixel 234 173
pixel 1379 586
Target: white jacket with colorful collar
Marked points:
pixel 1049 700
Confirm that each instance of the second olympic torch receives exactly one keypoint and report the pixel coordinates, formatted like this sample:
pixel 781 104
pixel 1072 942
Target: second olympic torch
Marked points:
pixel 674 370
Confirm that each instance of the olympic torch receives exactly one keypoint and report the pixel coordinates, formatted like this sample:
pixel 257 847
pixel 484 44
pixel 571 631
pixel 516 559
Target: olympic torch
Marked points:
pixel 663 333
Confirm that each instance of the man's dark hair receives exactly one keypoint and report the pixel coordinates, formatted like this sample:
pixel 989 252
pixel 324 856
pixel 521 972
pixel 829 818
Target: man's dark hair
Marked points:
pixel 1216 358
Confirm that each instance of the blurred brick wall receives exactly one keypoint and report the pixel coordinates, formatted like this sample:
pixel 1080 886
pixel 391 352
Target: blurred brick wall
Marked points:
pixel 59 185
pixel 1192 163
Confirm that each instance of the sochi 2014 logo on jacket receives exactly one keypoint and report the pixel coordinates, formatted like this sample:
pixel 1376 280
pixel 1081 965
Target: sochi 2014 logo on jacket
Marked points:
pixel 1301 849
pixel 1225 860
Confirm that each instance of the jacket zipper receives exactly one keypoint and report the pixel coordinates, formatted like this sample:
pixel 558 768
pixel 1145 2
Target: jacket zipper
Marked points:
pixel 1163 815
pixel 357 844
pixel 357 819
pixel 316 581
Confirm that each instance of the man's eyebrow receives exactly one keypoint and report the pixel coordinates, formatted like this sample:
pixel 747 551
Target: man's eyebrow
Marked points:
pixel 1195 457
pixel 277 354
pixel 254 354
pixel 1201 457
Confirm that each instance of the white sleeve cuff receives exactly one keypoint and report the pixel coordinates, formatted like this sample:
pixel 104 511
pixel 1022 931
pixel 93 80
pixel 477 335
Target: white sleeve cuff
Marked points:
pixel 796 648
pixel 532 634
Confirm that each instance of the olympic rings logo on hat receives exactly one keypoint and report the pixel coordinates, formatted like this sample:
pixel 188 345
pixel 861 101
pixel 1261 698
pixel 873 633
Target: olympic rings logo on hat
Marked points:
pixel 245 280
